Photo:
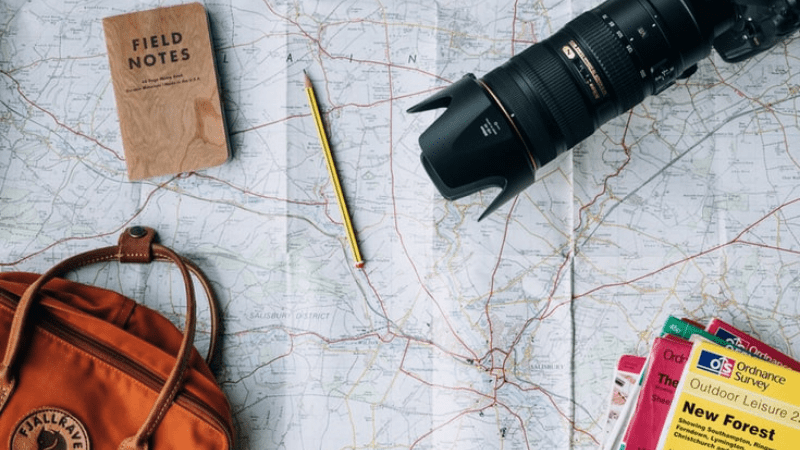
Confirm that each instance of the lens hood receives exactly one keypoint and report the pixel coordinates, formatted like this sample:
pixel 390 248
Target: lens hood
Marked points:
pixel 473 145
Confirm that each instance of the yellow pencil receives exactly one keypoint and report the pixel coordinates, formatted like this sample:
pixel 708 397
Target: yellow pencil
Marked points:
pixel 323 139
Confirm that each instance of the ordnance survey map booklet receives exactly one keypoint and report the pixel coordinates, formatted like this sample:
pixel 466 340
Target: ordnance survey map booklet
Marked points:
pixel 742 340
pixel 635 431
pixel 731 401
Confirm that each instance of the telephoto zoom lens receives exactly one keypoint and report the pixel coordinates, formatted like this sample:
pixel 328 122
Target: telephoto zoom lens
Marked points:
pixel 498 130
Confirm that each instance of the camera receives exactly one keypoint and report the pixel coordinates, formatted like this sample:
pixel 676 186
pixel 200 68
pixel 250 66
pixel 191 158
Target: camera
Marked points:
pixel 498 130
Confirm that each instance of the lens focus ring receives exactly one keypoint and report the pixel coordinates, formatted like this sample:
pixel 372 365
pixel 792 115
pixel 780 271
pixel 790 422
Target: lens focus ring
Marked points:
pixel 536 86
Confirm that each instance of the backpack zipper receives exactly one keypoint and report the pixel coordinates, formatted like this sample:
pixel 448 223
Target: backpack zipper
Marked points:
pixel 55 326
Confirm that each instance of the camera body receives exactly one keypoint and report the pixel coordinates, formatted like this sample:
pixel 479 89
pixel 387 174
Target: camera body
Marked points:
pixel 498 130
pixel 758 26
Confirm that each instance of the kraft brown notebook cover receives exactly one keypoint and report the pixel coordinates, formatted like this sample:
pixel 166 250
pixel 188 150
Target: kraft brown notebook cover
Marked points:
pixel 167 91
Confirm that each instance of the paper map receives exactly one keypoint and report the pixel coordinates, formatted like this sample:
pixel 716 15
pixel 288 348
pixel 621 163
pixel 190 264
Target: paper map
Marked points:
pixel 456 334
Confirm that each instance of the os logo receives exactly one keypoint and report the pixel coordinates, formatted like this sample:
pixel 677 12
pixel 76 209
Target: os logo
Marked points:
pixel 716 364
pixel 731 338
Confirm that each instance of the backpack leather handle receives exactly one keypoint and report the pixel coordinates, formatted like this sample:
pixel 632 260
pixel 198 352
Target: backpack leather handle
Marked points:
pixel 136 244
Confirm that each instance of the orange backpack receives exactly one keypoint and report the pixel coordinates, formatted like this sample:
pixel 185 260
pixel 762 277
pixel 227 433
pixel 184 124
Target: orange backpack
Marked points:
pixel 87 368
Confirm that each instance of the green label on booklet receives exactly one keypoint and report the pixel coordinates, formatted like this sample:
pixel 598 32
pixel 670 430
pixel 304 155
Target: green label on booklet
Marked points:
pixel 684 330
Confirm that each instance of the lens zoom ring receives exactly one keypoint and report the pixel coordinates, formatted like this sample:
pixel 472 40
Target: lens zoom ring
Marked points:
pixel 614 60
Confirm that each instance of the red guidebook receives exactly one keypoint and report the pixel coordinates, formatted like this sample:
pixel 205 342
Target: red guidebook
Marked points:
pixel 668 357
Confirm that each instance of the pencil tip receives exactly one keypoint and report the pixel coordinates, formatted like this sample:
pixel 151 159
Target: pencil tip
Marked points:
pixel 307 78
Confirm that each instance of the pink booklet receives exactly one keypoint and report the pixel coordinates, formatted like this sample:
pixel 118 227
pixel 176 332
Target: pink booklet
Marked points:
pixel 668 356
pixel 752 345
pixel 626 376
